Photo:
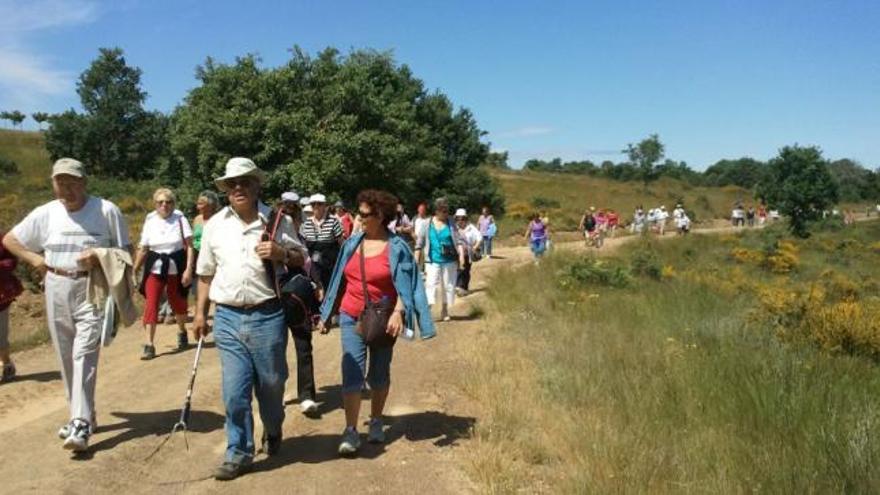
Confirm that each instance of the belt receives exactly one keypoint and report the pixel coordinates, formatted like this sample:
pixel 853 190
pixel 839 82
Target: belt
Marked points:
pixel 74 274
pixel 267 304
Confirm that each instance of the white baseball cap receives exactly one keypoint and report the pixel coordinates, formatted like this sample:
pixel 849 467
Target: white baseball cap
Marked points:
pixel 308 209
pixel 318 198
pixel 305 201
pixel 290 196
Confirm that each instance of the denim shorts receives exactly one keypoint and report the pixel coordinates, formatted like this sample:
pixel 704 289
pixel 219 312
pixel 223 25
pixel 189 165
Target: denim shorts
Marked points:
pixel 354 359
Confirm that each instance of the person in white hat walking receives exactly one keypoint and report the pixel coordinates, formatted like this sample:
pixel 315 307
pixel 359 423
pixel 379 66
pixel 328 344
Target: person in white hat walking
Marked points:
pixel 57 239
pixel 324 236
pixel 237 269
pixel 472 241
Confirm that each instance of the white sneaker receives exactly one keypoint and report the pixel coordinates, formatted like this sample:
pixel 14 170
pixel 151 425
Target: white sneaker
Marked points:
pixel 308 406
pixel 65 430
pixel 78 441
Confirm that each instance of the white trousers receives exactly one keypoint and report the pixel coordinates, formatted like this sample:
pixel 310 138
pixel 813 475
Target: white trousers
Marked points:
pixel 443 275
pixel 75 327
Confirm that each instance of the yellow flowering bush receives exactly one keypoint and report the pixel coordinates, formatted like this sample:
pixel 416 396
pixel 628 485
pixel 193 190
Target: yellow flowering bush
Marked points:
pixel 784 258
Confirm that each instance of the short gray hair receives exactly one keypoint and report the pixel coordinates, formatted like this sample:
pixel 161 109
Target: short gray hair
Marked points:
pixel 211 197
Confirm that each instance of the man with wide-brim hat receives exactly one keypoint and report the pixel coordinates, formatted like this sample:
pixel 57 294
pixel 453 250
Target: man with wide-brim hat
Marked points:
pixel 237 266
pixel 58 239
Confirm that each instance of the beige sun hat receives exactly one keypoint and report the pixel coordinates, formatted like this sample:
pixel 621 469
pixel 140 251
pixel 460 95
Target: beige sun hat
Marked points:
pixel 239 167
pixel 69 166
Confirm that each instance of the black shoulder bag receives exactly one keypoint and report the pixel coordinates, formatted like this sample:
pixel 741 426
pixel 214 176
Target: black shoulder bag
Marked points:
pixel 295 290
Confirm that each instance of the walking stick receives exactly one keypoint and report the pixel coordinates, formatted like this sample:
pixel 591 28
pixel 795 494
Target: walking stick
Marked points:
pixel 183 423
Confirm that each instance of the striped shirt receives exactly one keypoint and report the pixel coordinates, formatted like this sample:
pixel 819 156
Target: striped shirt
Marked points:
pixel 327 230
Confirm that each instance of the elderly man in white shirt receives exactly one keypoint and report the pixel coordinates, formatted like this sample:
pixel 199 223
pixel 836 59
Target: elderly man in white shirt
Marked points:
pixel 57 239
pixel 237 267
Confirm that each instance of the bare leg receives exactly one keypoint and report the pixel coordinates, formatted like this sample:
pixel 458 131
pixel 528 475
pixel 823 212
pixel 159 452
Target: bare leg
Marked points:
pixel 351 402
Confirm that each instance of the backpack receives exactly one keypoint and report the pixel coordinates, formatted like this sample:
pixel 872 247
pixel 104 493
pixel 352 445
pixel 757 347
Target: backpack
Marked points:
pixel 297 292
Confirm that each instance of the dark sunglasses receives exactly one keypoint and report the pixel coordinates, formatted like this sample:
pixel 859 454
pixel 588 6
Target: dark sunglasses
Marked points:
pixel 367 214
pixel 164 201
pixel 240 181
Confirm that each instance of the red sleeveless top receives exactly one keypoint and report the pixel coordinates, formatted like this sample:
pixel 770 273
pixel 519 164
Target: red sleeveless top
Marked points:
pixel 379 282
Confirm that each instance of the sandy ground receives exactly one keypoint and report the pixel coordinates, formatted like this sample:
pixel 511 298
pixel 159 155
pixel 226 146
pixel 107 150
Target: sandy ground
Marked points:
pixel 429 419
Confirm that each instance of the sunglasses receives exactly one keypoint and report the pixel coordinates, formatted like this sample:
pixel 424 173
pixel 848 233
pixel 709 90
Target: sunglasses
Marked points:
pixel 164 201
pixel 366 214
pixel 241 181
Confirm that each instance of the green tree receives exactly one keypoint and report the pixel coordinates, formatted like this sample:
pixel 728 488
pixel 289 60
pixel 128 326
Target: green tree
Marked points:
pixel 497 160
pixel 16 117
pixel 645 156
pixel 5 115
pixel 40 118
pixel 855 182
pixel 114 134
pixel 799 183
pixel 333 123
pixel 744 172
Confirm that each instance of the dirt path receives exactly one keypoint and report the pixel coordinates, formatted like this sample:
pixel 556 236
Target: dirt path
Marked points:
pixel 138 402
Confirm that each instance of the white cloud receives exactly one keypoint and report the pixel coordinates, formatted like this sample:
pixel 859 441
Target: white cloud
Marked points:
pixel 527 131
pixel 26 76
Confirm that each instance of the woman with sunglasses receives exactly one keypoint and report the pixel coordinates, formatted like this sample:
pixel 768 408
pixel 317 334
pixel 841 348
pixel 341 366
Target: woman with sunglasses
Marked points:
pixel 166 253
pixel 392 279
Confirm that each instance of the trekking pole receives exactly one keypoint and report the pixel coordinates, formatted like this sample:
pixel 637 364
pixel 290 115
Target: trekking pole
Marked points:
pixel 183 423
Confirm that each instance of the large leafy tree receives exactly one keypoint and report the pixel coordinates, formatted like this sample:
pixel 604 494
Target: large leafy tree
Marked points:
pixel 799 183
pixel 645 155
pixel 114 134
pixel 334 124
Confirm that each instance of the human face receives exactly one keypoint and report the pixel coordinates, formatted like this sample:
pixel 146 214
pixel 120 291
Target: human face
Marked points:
pixel 290 207
pixel 442 213
pixel 70 190
pixel 423 210
pixel 242 192
pixel 461 221
pixel 319 209
pixel 164 205
pixel 369 219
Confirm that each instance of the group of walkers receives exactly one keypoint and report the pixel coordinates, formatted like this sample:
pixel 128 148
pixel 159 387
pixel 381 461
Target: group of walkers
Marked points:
pixel 302 266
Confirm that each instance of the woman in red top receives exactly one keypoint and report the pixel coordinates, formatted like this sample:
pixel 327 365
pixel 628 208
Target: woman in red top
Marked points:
pixel 375 209
pixel 10 288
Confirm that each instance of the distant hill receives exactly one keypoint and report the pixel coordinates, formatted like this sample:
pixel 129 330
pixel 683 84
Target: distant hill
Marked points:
pixel 565 197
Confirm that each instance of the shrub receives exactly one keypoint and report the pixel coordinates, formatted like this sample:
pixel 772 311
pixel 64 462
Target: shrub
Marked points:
pixel 7 167
pixel 591 271
pixel 540 202
pixel 645 261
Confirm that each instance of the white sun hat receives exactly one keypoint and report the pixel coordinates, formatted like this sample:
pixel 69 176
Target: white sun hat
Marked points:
pixel 461 212
pixel 318 198
pixel 308 209
pixel 290 196
pixel 239 167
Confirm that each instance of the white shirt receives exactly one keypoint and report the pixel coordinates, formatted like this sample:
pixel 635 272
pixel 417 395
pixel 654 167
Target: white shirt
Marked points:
pixel 229 255
pixel 62 235
pixel 677 213
pixel 165 236
pixel 470 236
pixel 420 229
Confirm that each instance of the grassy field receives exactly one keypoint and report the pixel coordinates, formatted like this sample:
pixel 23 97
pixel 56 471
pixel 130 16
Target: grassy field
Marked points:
pixel 724 364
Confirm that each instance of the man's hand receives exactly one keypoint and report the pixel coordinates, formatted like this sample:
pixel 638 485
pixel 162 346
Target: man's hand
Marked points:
pixel 87 259
pixel 269 250
pixel 39 264
pixel 200 326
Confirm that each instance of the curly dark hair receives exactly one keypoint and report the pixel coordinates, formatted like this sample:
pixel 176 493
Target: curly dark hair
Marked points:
pixel 382 202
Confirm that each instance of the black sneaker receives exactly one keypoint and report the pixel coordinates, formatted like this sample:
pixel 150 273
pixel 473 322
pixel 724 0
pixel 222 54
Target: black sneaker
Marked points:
pixel 182 341
pixel 271 444
pixel 230 470
pixel 149 352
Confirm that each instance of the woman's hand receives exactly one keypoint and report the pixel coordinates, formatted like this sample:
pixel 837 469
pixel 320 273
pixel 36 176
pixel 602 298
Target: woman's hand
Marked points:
pixel 186 278
pixel 395 324
pixel 322 328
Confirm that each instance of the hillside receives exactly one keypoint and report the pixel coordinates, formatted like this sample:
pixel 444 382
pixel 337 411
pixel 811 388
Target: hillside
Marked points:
pixel 574 193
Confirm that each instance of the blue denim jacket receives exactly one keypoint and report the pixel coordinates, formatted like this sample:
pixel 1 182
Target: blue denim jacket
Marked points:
pixel 405 276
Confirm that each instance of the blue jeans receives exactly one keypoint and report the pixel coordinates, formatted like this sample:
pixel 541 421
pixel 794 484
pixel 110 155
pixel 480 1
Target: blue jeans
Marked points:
pixel 252 345
pixel 487 245
pixel 354 359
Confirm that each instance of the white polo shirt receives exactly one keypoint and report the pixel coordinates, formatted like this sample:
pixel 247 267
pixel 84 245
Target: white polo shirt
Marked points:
pixel 62 235
pixel 229 254
pixel 165 236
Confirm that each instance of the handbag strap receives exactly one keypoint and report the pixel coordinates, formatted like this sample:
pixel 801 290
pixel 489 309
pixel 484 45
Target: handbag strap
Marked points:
pixel 367 302
pixel 274 219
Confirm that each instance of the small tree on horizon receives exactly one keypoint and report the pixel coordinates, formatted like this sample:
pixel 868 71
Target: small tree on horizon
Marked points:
pixel 645 155
pixel 799 183
pixel 40 118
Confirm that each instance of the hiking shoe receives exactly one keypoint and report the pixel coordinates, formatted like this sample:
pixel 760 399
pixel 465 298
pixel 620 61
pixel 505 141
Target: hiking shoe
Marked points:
pixel 8 373
pixel 149 352
pixel 308 406
pixel 65 430
pixel 182 341
pixel 271 444
pixel 351 442
pixel 230 470
pixel 377 431
pixel 78 440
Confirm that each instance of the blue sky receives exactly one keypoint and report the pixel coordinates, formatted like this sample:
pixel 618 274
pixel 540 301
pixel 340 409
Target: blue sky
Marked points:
pixel 578 80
